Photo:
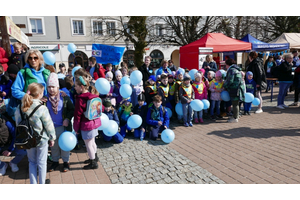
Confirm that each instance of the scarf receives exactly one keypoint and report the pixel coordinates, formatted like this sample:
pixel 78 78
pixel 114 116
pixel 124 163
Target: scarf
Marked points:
pixel 54 102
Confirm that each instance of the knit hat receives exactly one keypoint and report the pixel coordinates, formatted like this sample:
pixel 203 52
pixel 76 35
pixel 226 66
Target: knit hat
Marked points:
pixel 178 72
pixel 13 69
pixel 218 74
pixel 152 77
pixel 186 77
pixel 53 80
pixel 249 73
pixel 118 73
pixel 141 97
pixel 197 74
pixel 212 73
pixel 109 75
pixel 202 70
pixel 170 76
pixel 106 103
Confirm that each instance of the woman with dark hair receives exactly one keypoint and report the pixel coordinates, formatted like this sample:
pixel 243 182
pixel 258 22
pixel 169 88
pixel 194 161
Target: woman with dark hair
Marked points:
pixel 270 62
pixel 235 87
pixel 255 66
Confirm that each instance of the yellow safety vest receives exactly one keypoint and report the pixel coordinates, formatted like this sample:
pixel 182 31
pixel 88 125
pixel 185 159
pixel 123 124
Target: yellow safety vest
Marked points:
pixel 165 89
pixel 216 84
pixel 199 87
pixel 188 90
pixel 172 89
pixel 153 88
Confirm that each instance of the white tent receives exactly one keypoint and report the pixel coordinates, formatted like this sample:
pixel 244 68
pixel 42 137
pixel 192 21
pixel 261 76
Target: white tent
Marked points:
pixel 292 38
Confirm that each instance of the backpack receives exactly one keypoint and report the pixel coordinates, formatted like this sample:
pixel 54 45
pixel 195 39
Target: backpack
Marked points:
pixel 93 108
pixel 26 136
pixel 5 137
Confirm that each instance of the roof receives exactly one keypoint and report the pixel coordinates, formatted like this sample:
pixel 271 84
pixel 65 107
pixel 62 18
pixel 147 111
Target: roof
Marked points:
pixel 258 45
pixel 292 38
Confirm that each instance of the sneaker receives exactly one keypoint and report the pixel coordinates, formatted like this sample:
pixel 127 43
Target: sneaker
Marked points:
pixel 233 120
pixel 186 124
pixel 3 169
pixel 259 111
pixel 280 107
pixel 196 121
pixel 285 106
pixel 220 117
pixel 213 117
pixel 66 167
pixel 248 113
pixel 14 167
pixel 294 104
pixel 191 124
pixel 201 120
pixel 53 166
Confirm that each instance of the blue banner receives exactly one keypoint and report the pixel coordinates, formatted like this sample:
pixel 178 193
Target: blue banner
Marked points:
pixel 107 54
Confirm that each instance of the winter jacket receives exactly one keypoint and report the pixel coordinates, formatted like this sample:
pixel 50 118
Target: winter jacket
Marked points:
pixel 250 86
pixel 98 72
pixel 116 92
pixel 3 59
pixel 112 115
pixel 285 72
pixel 150 92
pixel 142 112
pixel 213 67
pixel 163 115
pixel 39 118
pixel 258 72
pixel 200 90
pixel 17 59
pixel 80 121
pixel 297 77
pixel 266 66
pixel 234 84
pixel 5 85
pixel 146 73
pixel 26 76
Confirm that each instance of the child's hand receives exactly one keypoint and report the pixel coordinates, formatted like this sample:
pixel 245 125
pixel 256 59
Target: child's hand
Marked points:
pixel 63 94
pixel 3 94
pixel 44 99
pixel 66 123
pixel 51 143
pixel 6 153
pixel 159 123
pixel 131 113
pixel 166 127
pixel 143 130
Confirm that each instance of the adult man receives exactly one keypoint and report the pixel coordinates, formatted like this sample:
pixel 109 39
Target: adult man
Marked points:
pixel 146 69
pixel 172 67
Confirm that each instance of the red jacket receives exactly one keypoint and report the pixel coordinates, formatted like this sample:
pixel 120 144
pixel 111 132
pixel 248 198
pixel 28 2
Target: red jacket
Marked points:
pixel 3 59
pixel 80 121
pixel 99 72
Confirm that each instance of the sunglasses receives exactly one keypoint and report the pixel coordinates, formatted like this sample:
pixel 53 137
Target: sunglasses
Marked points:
pixel 33 58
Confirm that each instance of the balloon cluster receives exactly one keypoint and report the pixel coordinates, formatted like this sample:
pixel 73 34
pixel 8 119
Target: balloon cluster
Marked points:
pixel 249 98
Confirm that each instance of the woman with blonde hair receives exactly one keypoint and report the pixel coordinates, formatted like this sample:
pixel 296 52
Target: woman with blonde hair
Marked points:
pixel 41 122
pixel 209 65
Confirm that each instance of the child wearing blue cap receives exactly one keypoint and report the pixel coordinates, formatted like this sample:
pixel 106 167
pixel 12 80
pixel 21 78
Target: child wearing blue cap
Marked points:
pixel 251 88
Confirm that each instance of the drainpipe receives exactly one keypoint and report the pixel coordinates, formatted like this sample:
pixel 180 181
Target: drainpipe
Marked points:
pixel 57 27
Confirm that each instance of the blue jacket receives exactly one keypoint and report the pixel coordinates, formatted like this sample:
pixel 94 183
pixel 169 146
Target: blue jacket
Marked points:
pixel 112 116
pixel 163 116
pixel 160 71
pixel 250 86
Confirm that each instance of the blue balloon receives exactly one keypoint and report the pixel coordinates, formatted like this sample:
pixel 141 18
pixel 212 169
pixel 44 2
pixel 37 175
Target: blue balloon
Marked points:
pixel 125 91
pixel 104 122
pixel 206 104
pixel 167 135
pixel 178 109
pixel 102 85
pixel 197 105
pixel 169 111
pixel 71 48
pixel 249 97
pixel 49 58
pixel 225 96
pixel 134 121
pixel 256 101
pixel 125 80
pixel 74 70
pixel 111 129
pixel 67 141
pixel 192 73
pixel 136 77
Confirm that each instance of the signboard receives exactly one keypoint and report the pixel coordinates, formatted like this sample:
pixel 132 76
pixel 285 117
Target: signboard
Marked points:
pixel 45 47
pixel 105 54
pixel 203 52
pixel 13 30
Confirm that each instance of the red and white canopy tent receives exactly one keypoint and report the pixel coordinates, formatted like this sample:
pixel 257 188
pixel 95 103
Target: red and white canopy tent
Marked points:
pixel 218 41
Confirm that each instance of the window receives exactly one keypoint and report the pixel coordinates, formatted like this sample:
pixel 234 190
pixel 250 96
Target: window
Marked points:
pixel 97 27
pixel 78 27
pixel 111 28
pixel 36 25
pixel 159 29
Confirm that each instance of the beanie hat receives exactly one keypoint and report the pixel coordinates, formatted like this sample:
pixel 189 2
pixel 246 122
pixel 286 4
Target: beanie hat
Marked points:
pixel 53 80
pixel 109 75
pixel 170 76
pixel 106 103
pixel 141 97
pixel 178 72
pixel 118 73
pixel 219 74
pixel 186 77
pixel 212 73
pixel 249 73
pixel 202 70
pixel 152 77
pixel 197 74
pixel 13 69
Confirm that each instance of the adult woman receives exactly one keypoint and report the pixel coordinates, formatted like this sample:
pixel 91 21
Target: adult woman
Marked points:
pixel 234 86
pixel 255 66
pixel 33 72
pixel 96 70
pixel 270 62
pixel 164 68
pixel 146 69
pixel 209 65
pixel 285 79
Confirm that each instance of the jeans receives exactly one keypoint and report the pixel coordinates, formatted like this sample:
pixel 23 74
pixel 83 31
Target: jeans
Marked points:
pixel 56 151
pixel 117 137
pixel 154 130
pixel 20 154
pixel 37 158
pixel 247 107
pixel 198 114
pixel 213 105
pixel 283 88
pixel 138 132
pixel 187 113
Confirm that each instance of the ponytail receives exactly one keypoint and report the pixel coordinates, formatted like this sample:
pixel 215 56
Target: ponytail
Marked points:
pixel 26 102
pixel 33 92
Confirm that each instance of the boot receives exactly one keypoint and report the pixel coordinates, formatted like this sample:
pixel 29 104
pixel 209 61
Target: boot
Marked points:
pixel 93 165
pixel 88 160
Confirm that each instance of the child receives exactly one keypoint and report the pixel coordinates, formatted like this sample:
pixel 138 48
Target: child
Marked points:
pixel 200 91
pixel 141 110
pixel 5 84
pixel 111 95
pixel 251 88
pixel 41 120
pixel 179 80
pixel 150 89
pixel 17 58
pixel 112 115
pixel 163 91
pixel 117 85
pixel 62 69
pixel 124 113
pixel 89 128
pixel 157 118
pixel 216 87
pixel 210 76
pixel 124 70
pixel 171 96
pixel 108 68
pixel 61 110
pixel 136 90
pixel 186 94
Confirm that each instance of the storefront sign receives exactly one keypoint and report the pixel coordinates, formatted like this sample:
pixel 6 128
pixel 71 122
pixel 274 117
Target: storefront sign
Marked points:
pixel 13 30
pixel 45 47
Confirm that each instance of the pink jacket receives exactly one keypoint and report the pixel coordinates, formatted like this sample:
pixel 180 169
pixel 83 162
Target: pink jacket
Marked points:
pixel 80 121
pixel 198 87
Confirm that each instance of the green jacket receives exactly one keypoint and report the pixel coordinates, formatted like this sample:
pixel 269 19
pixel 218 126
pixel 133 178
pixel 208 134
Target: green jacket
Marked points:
pixel 234 83
pixel 30 78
